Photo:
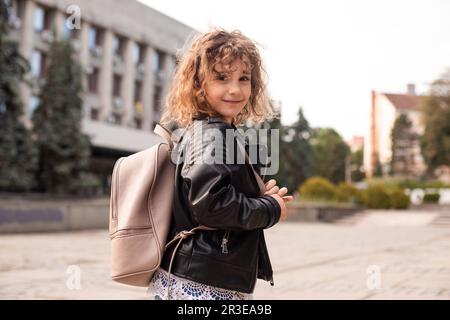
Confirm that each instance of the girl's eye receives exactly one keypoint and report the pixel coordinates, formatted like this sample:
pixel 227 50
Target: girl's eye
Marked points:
pixel 222 77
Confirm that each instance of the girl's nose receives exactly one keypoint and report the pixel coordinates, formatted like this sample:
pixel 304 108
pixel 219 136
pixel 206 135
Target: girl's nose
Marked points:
pixel 234 88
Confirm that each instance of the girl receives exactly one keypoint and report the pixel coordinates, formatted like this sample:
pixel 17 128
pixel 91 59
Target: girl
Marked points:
pixel 217 85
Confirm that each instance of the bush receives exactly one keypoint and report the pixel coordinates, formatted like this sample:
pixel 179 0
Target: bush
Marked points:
pixel 431 198
pixel 376 197
pixel 393 182
pixel 318 188
pixel 345 192
pixel 89 184
pixel 398 199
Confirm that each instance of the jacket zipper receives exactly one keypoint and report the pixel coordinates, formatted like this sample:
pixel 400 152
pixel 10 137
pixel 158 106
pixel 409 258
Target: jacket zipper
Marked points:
pixel 225 242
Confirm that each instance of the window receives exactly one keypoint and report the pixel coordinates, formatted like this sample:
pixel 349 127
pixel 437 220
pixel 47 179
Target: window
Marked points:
pixel 138 106
pixel 17 8
pixel 95 37
pixel 137 123
pixel 156 105
pixel 116 118
pixel 138 53
pixel 118 45
pixel 93 81
pixel 67 32
pixel 172 65
pixel 33 103
pixel 157 61
pixel 37 63
pixel 137 91
pixel 39 19
pixel 92 38
pixel 94 114
pixel 117 85
pixel 157 99
pixel 42 19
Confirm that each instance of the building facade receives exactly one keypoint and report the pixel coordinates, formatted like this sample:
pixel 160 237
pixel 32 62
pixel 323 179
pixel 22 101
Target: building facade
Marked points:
pixel 385 109
pixel 127 52
pixel 356 143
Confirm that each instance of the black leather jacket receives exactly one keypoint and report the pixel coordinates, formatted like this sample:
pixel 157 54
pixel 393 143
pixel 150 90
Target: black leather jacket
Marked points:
pixel 223 196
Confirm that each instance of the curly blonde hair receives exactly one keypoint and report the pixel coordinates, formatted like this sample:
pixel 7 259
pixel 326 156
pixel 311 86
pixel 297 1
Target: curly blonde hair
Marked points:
pixel 186 99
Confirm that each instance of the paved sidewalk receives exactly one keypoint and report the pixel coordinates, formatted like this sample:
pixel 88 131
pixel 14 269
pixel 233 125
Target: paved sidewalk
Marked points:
pixel 310 261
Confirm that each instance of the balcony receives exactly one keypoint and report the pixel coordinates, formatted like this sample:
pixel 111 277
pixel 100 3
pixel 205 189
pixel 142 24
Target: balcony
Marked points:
pixel 159 76
pixel 118 104
pixel 119 137
pixel 97 51
pixel 47 36
pixel 118 64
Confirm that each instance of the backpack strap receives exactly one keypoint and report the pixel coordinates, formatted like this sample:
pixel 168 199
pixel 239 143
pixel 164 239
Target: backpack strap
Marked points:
pixel 180 237
pixel 167 135
pixel 261 184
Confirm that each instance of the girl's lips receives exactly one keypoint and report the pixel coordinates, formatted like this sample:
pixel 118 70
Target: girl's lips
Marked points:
pixel 229 101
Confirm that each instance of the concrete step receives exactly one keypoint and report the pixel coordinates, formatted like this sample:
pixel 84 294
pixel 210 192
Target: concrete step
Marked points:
pixel 350 219
pixel 442 220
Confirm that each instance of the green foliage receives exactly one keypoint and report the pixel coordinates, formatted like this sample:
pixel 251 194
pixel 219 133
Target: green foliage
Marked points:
pixel 431 198
pixel 329 154
pixel 357 165
pixel 345 192
pixel 402 183
pixel 64 149
pixel 379 196
pixel 294 152
pixel 378 171
pixel 376 197
pixel 435 142
pixel 318 188
pixel 18 156
pixel 398 199
pixel 403 147
pixel 87 184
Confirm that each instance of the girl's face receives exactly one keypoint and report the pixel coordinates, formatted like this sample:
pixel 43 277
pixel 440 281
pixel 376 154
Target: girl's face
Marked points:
pixel 228 93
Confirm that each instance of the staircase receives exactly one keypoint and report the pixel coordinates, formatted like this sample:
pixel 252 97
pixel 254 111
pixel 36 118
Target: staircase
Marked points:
pixel 443 220
pixel 350 219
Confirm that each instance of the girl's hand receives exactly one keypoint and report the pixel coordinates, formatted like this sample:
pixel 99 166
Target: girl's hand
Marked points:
pixel 272 188
pixel 281 202
pixel 280 195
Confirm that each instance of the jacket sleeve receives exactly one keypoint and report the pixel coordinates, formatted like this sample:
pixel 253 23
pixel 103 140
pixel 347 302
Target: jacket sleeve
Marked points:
pixel 215 202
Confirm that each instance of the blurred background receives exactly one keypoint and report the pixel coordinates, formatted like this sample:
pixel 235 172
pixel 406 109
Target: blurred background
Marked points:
pixel 362 90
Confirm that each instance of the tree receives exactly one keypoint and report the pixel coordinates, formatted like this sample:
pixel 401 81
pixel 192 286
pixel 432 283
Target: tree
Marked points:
pixel 294 152
pixel 378 171
pixel 18 156
pixel 357 159
pixel 404 140
pixel 329 154
pixel 281 175
pixel 298 152
pixel 64 149
pixel 435 142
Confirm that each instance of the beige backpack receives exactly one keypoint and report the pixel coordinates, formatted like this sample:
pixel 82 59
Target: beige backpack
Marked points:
pixel 142 187
pixel 140 211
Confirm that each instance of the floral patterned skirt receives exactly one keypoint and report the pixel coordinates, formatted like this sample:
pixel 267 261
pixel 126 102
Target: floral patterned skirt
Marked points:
pixel 184 289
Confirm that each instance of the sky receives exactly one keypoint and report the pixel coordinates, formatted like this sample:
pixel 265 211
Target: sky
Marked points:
pixel 327 55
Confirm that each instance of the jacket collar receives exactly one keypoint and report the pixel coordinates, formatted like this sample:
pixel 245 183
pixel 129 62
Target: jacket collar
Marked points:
pixel 213 119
